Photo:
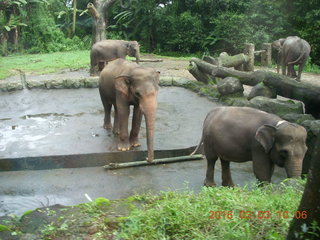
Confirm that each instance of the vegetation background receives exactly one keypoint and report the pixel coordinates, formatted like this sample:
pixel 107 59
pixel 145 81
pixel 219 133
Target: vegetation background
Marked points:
pixel 175 27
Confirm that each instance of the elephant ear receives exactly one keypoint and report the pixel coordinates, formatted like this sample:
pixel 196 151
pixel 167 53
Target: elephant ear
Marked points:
pixel 122 84
pixel 265 135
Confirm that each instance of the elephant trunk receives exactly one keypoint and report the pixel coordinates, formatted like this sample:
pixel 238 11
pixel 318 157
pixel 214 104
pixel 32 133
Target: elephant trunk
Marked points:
pixel 137 57
pixel 148 106
pixel 294 168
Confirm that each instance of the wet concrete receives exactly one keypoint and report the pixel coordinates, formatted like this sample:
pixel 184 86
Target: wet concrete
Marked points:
pixel 57 122
pixel 69 121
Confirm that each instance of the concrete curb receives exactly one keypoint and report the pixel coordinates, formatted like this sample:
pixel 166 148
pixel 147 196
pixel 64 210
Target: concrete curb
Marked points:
pixel 14 84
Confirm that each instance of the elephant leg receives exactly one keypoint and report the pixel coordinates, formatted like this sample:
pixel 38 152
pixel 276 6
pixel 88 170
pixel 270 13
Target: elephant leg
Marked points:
pixel 123 118
pixel 283 69
pixel 107 111
pixel 136 123
pixel 116 128
pixel 211 157
pixel 301 66
pixel 226 174
pixel 262 166
pixel 291 71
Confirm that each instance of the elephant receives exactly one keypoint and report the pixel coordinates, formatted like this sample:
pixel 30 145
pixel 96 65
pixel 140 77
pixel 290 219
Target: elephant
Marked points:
pixel 104 51
pixel 241 134
pixel 121 84
pixel 292 51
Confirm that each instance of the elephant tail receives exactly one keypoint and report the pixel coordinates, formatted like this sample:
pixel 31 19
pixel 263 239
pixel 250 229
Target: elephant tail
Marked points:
pixel 303 52
pixel 197 148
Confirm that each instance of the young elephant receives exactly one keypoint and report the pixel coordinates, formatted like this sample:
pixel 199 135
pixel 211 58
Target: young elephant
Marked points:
pixel 108 50
pixel 240 134
pixel 123 83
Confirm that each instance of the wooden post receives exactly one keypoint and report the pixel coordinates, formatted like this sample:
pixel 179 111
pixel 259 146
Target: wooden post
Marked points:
pixel 249 50
pixel 266 55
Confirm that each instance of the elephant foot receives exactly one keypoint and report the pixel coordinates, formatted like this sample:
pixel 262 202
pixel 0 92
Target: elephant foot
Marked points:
pixel 123 147
pixel 228 184
pixel 135 145
pixel 107 126
pixel 209 183
pixel 116 131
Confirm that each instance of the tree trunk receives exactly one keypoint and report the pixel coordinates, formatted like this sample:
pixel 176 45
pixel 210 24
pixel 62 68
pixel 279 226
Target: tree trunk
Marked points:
pixel 249 51
pixel 99 11
pixel 74 17
pixel 306 223
pixel 284 86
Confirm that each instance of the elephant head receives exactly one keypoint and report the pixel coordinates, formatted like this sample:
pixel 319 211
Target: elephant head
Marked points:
pixel 278 46
pixel 141 85
pixel 133 50
pixel 285 145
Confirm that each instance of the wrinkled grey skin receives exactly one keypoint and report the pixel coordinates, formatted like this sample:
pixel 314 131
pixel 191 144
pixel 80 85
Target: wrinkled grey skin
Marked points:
pixel 107 50
pixel 240 134
pixel 292 51
pixel 121 84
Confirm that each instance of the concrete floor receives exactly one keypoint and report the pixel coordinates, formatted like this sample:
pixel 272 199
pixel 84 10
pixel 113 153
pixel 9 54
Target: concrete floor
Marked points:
pixel 57 122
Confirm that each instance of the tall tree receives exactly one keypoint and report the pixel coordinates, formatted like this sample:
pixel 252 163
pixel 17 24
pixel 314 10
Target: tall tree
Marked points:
pixel 306 224
pixel 99 11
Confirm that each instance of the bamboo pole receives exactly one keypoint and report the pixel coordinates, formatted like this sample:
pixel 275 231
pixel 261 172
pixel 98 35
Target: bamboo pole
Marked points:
pixel 111 166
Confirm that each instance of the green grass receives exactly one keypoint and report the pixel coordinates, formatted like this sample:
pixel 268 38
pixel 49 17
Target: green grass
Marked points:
pixel 43 63
pixel 243 214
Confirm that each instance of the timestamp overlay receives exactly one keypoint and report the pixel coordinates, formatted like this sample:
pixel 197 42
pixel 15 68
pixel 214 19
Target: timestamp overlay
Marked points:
pixel 263 214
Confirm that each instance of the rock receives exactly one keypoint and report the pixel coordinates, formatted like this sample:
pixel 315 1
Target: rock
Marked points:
pixel 236 101
pixel 13 86
pixel 91 82
pixel 278 107
pixel 297 118
pixel 165 81
pixel 230 85
pixel 73 83
pixel 3 85
pixel 54 84
pixel 312 127
pixel 180 82
pixel 35 84
pixel 261 90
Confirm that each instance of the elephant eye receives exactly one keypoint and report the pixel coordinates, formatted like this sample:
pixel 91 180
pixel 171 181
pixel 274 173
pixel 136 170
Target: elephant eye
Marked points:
pixel 137 94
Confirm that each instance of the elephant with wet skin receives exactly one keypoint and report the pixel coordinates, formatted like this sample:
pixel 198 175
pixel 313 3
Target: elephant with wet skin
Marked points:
pixel 121 84
pixel 240 134
pixel 107 50
pixel 292 51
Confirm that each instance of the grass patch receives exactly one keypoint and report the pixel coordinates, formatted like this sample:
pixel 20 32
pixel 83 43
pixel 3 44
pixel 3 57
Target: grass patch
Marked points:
pixel 238 213
pixel 43 63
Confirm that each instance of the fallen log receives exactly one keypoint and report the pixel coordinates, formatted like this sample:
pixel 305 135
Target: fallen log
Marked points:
pixel 227 61
pixel 199 75
pixel 222 72
pixel 111 166
pixel 284 86
pixel 150 60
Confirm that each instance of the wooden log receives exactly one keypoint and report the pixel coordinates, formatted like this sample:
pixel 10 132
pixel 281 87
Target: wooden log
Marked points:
pixel 287 87
pixel 266 55
pixel 227 61
pixel 222 72
pixel 249 51
pixel 199 75
pixel 150 60
pixel 155 161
